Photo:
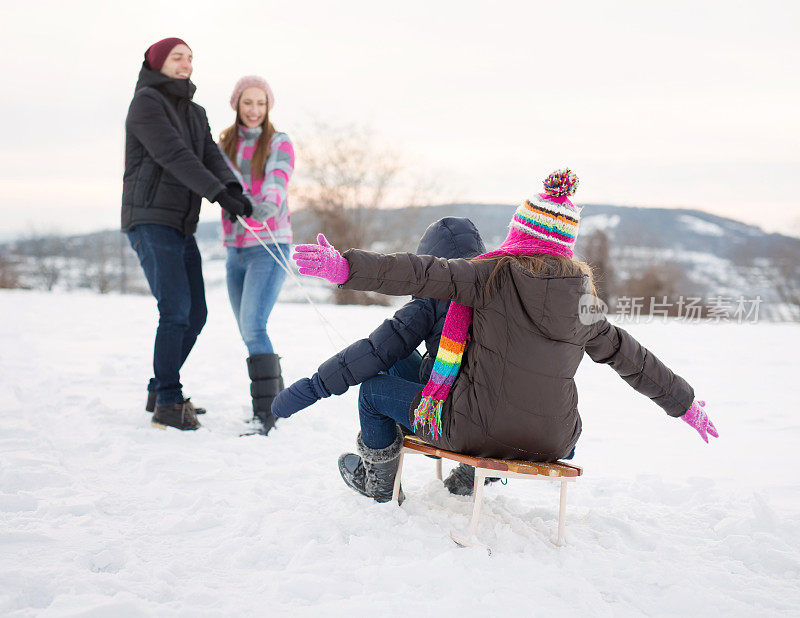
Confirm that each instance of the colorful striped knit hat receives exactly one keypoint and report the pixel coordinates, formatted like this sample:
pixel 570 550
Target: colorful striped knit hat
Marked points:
pixel 551 217
pixel 549 225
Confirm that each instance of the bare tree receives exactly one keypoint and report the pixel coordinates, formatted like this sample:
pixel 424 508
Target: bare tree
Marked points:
pixel 104 264
pixel 9 275
pixel 597 253
pixel 659 284
pixel 46 252
pixel 123 265
pixel 783 276
pixel 99 262
pixel 343 177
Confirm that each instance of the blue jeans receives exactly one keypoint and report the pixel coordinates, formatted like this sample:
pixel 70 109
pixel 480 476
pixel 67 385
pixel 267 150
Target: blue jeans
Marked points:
pixel 378 397
pixel 407 368
pixel 254 282
pixel 384 401
pixel 173 268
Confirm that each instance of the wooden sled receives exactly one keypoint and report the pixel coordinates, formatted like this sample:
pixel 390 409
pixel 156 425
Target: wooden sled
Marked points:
pixel 492 468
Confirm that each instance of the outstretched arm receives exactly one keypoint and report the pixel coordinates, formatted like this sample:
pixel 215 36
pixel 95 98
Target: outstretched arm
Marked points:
pixel 641 369
pixel 397 274
pixel 395 339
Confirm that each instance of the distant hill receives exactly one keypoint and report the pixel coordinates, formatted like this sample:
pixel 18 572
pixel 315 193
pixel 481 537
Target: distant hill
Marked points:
pixel 719 256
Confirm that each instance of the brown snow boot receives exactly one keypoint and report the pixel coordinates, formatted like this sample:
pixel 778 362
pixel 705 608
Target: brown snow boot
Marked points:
pixel 150 406
pixel 178 415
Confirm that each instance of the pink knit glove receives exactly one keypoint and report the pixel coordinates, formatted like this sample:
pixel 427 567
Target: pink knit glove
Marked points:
pixel 697 418
pixel 322 260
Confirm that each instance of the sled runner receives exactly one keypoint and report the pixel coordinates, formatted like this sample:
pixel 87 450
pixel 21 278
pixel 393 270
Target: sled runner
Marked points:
pixel 492 468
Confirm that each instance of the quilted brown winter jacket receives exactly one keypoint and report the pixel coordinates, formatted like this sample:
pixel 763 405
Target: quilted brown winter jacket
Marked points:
pixel 515 395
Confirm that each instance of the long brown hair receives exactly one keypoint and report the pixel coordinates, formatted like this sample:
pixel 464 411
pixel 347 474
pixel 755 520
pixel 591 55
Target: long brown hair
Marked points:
pixel 542 264
pixel 229 140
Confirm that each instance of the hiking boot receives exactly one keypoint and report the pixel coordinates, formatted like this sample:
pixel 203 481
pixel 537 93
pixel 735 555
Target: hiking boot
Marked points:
pixel 461 480
pixel 197 410
pixel 178 415
pixel 372 472
pixel 150 406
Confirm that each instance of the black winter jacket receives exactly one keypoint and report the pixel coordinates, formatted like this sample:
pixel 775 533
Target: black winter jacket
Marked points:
pixel 419 320
pixel 171 160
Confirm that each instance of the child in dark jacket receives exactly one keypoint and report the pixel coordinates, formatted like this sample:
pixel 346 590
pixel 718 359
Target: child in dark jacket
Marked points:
pixel 503 382
pixel 392 347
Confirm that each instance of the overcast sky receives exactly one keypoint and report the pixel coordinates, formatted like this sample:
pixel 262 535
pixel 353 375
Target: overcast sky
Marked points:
pixel 687 104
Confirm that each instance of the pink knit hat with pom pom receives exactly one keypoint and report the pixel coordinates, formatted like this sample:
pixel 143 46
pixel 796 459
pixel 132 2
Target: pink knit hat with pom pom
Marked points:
pixel 549 219
pixel 251 81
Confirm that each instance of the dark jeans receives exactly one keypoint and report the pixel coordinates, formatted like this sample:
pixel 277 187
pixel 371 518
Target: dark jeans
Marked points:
pixel 254 281
pixel 173 267
pixel 385 400
pixel 407 368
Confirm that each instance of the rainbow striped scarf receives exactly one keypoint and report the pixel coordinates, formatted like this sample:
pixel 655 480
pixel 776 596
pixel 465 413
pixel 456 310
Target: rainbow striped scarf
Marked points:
pixel 428 414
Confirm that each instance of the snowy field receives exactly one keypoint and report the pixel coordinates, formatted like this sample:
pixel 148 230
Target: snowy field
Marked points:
pixel 103 515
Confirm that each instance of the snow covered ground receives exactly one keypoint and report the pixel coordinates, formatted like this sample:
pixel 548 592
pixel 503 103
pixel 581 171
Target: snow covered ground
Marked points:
pixel 103 515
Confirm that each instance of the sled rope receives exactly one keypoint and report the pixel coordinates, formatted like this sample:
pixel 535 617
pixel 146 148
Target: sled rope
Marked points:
pixel 284 263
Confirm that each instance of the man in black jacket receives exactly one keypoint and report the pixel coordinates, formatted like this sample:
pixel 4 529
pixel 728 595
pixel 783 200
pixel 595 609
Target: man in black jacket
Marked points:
pixel 392 347
pixel 171 163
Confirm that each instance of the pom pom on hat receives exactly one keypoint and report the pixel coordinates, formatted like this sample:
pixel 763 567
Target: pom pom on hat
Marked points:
pixel 251 81
pixel 549 219
pixel 561 183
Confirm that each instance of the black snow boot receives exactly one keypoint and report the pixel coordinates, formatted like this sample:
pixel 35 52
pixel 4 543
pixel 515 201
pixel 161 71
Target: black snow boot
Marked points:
pixel 461 480
pixel 265 384
pixel 179 415
pixel 372 473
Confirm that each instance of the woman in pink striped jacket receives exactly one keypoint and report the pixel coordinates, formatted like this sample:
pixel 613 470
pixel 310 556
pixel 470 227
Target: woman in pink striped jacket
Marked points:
pixel 263 161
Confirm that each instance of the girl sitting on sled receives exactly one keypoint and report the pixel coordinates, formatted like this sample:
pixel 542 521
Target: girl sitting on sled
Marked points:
pixel 503 381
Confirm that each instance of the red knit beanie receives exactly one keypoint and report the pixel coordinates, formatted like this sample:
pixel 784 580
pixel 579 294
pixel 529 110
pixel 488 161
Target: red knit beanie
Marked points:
pixel 157 53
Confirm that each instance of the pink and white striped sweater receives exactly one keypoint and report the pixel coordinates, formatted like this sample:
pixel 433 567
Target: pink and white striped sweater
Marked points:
pixel 268 195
